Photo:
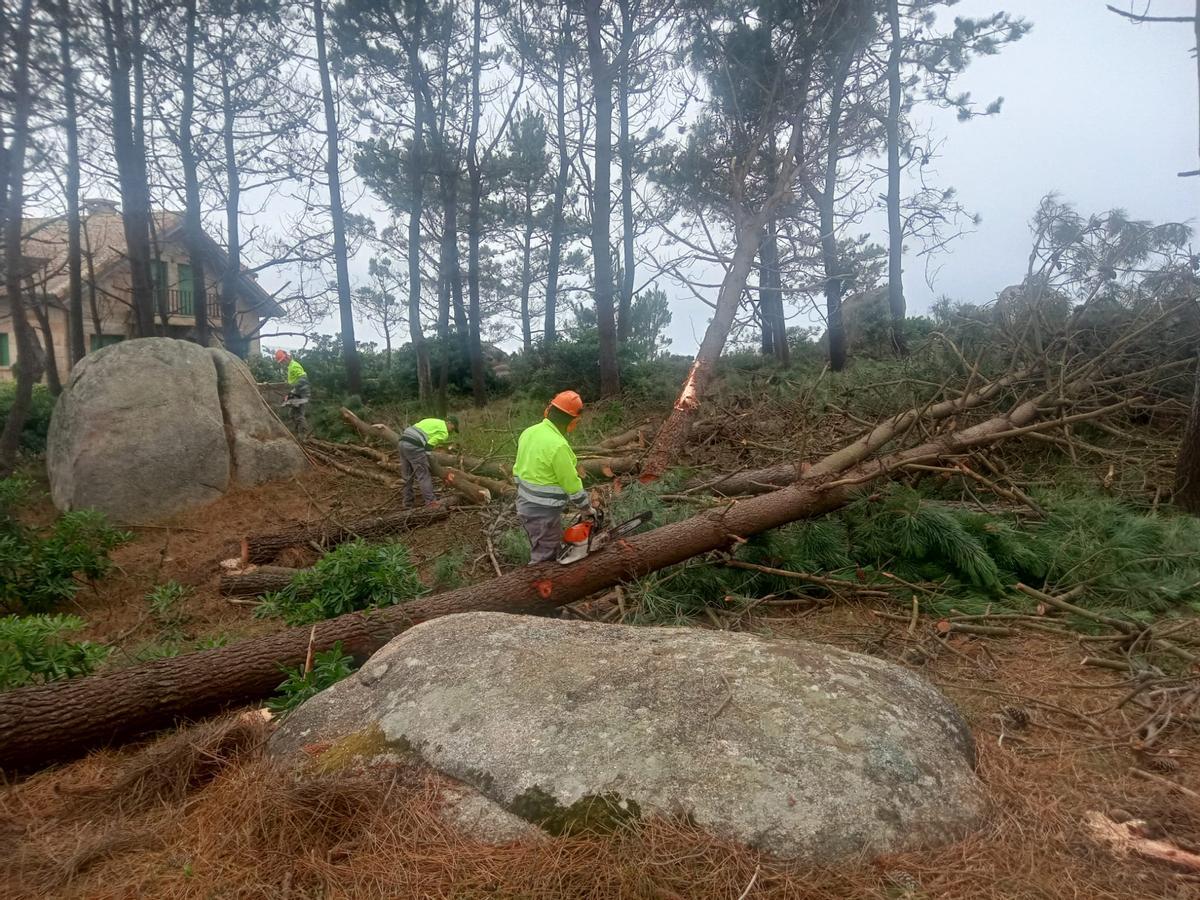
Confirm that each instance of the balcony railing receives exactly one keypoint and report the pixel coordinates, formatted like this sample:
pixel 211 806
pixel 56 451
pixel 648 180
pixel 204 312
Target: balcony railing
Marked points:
pixel 183 304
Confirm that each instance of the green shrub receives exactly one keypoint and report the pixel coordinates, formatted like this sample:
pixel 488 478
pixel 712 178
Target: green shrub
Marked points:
pixel 329 667
pixel 32 650
pixel 165 600
pixel 37 424
pixel 512 546
pixel 38 571
pixel 448 569
pixel 355 576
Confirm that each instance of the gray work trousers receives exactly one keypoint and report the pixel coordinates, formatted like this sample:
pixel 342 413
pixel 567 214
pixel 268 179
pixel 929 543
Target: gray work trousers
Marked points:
pixel 543 524
pixel 414 466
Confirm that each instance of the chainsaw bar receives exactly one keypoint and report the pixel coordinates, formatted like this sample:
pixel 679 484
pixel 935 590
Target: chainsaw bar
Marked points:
pixel 569 553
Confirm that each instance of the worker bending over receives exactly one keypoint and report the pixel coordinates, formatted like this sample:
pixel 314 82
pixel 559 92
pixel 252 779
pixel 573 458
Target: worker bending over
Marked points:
pixel 415 443
pixel 547 478
pixel 298 390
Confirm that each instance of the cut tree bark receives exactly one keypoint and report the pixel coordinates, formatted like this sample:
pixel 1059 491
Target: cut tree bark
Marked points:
pixel 262 548
pixel 259 580
pixel 42 723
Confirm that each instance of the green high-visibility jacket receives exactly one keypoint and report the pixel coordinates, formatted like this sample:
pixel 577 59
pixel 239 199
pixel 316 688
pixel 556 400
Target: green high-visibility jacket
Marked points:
pixel 435 430
pixel 545 467
pixel 295 372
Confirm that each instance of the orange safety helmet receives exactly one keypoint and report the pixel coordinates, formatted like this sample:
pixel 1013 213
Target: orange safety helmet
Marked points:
pixel 570 403
pixel 281 356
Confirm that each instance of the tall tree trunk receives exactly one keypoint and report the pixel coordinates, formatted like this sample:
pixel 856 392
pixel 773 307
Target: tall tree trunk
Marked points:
pixel 416 168
pixel 830 257
pixel 1187 465
pixel 28 365
pixel 337 215
pixel 63 719
pixel 625 151
pixel 443 327
pixel 454 262
pixel 674 432
pixel 193 227
pixel 774 325
pixel 41 310
pixel 231 330
pixel 131 163
pixel 557 218
pixel 76 343
pixel 610 380
pixel 475 218
pixel 526 254
pixel 895 229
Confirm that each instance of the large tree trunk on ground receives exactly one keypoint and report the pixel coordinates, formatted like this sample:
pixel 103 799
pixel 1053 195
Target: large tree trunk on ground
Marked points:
pixel 610 379
pixel 55 721
pixel 260 580
pixel 262 548
pixel 674 433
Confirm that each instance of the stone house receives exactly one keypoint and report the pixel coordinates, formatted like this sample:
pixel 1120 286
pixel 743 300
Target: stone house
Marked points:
pixel 107 305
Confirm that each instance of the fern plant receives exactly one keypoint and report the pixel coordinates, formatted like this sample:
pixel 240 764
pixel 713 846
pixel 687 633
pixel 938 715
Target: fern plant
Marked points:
pixel 355 576
pixel 33 650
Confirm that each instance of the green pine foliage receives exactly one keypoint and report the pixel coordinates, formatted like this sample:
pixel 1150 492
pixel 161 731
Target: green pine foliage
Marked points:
pixel 355 576
pixel 1128 562
pixel 33 650
pixel 39 569
pixel 329 667
pixel 449 569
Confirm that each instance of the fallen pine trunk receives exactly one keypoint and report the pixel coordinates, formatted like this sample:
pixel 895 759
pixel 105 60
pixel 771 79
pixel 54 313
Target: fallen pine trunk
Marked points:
pixel 608 466
pixel 42 723
pixel 260 580
pixel 638 435
pixel 262 548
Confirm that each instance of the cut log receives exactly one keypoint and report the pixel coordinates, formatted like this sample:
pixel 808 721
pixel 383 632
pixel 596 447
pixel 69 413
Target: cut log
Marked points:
pixel 608 466
pixel 259 580
pixel 42 723
pixel 262 548
pixel 638 436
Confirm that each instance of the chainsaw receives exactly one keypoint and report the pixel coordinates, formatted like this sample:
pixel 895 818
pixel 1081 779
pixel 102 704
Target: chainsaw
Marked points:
pixel 584 537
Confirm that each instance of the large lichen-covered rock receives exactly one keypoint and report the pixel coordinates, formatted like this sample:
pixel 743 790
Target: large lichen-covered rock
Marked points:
pixel 149 428
pixel 803 750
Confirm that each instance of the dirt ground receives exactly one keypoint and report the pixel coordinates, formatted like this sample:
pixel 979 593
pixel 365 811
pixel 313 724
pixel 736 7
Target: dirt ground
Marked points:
pixel 201 814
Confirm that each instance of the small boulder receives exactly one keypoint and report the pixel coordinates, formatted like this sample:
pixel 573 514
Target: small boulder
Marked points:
pixel 803 750
pixel 149 428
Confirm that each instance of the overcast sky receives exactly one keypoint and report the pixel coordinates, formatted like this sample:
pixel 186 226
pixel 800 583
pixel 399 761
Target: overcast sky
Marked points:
pixel 1097 109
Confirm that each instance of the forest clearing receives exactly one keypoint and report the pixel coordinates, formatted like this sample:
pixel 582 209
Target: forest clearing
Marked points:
pixel 362 536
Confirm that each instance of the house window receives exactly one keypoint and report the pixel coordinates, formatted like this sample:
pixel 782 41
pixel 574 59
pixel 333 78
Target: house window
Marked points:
pixel 186 290
pixel 158 279
pixel 105 340
pixel 4 360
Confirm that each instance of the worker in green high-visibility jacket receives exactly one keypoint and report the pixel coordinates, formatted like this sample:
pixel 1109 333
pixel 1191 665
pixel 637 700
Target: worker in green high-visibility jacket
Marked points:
pixel 548 478
pixel 298 390
pixel 415 443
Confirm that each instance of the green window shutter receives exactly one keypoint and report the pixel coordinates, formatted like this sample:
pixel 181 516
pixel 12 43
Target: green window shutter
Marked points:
pixel 4 361
pixel 158 278
pixel 105 340
pixel 186 290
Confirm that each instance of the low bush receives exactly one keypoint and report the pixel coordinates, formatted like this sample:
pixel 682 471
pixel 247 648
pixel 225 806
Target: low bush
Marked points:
pixel 33 650
pixel 37 424
pixel 329 667
pixel 41 569
pixel 355 576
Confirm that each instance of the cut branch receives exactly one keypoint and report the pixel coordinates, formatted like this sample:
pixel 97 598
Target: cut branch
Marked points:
pixel 262 548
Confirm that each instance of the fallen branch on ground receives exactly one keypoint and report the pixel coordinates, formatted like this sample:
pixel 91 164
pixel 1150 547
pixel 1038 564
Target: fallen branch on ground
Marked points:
pixel 63 719
pixel 262 548
pixel 257 581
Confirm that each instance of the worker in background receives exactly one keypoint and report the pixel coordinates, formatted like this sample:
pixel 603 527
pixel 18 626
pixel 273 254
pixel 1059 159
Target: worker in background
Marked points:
pixel 547 477
pixel 298 390
pixel 415 443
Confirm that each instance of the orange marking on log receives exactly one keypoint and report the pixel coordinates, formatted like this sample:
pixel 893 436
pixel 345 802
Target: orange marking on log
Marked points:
pixel 545 588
